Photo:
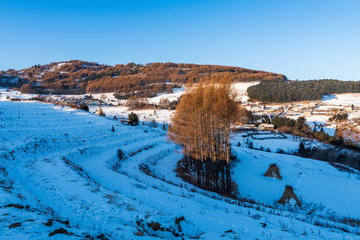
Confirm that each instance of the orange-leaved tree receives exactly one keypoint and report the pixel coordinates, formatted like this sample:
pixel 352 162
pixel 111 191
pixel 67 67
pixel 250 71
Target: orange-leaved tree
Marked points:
pixel 202 126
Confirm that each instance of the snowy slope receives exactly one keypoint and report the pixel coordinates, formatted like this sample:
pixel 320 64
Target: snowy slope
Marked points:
pixel 6 94
pixel 65 161
pixel 241 89
pixel 346 99
pixel 316 182
pixel 161 116
pixel 20 222
pixel 275 142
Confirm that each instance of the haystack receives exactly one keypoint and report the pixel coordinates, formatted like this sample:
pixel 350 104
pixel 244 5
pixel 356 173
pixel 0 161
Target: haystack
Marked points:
pixel 273 172
pixel 289 197
pixel 100 112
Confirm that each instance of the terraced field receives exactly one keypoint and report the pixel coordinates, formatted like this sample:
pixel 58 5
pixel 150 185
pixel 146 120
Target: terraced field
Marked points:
pixel 59 170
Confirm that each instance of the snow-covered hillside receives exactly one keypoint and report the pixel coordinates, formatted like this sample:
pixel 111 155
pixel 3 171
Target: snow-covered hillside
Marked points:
pixel 317 183
pixel 275 142
pixel 114 107
pixel 346 99
pixel 241 90
pixel 63 164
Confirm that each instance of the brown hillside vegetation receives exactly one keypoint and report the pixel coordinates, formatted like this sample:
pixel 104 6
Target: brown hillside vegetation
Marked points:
pixel 75 77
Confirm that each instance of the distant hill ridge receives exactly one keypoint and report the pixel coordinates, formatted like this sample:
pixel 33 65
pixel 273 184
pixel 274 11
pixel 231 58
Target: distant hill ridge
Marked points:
pixel 77 77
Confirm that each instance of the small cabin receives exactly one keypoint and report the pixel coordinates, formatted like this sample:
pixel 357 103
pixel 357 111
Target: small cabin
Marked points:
pixel 266 127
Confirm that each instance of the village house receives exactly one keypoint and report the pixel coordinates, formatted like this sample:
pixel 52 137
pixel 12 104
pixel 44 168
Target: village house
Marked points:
pixel 266 127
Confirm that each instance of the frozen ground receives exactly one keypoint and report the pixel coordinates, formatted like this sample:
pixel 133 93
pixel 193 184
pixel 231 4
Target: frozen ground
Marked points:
pixel 62 163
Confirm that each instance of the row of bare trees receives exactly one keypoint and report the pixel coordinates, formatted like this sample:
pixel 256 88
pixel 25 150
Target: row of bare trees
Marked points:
pixel 202 126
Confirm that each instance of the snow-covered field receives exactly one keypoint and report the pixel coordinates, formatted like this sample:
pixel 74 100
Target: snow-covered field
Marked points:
pixel 118 107
pixel 241 89
pixel 274 142
pixel 317 183
pixel 6 94
pixel 177 92
pixel 346 99
pixel 160 116
pixel 62 163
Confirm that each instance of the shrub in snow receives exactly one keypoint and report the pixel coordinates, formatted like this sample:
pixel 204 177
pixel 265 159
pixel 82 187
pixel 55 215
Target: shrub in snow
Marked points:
pixel 284 227
pixel 174 103
pixel 152 123
pixel 121 154
pixel 301 149
pixel 164 103
pixel 280 150
pixel 133 119
pixel 60 231
pixel 273 172
pixel 49 223
pixel 15 225
pixel 84 107
pixel 176 230
pixel 137 102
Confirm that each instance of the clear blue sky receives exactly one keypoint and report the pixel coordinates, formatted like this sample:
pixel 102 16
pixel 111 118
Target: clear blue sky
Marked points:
pixel 304 39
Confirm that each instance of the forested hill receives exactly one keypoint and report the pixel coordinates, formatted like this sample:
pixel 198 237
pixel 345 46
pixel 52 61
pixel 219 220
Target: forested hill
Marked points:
pixel 75 77
pixel 290 91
